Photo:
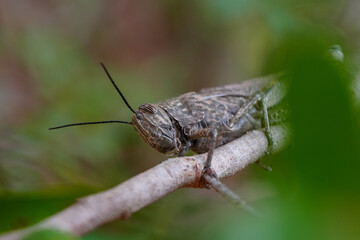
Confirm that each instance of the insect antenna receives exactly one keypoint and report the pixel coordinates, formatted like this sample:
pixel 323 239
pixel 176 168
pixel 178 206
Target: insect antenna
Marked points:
pixel 117 89
pixel 88 123
pixel 101 122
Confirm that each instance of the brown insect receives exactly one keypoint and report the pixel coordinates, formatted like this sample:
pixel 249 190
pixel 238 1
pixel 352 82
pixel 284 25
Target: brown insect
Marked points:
pixel 204 120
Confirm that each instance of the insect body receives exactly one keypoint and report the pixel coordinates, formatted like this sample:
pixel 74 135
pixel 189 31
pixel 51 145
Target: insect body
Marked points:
pixel 170 127
pixel 206 119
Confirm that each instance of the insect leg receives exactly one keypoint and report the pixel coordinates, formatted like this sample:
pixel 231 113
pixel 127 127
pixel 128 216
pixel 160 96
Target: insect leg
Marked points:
pixel 259 97
pixel 184 150
pixel 267 128
pixel 245 109
pixel 243 112
pixel 211 133
pixel 277 115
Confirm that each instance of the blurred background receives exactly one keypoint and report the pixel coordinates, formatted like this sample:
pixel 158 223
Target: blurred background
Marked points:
pixel 155 50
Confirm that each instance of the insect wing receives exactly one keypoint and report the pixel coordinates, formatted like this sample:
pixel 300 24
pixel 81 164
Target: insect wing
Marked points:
pixel 181 111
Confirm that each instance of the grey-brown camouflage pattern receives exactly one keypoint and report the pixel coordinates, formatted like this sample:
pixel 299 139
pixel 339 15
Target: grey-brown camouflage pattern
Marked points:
pixel 179 124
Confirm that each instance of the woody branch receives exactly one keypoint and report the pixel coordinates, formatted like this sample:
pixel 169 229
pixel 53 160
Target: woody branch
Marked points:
pixel 120 202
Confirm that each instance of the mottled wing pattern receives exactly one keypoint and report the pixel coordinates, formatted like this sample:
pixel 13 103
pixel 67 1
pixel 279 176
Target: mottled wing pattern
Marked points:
pixel 211 107
pixel 180 110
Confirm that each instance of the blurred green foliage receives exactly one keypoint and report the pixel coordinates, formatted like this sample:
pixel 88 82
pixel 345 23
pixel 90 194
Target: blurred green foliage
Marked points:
pixel 49 234
pixel 49 75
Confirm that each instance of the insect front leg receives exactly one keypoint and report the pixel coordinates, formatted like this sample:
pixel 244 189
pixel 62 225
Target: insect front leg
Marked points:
pixel 212 134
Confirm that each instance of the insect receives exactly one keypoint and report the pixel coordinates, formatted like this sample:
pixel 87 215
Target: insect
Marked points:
pixel 204 120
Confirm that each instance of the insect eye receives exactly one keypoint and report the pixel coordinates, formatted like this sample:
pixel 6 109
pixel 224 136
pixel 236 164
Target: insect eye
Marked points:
pixel 139 116
pixel 148 108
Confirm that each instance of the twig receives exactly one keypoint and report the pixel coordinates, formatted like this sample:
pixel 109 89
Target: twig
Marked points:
pixel 122 201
